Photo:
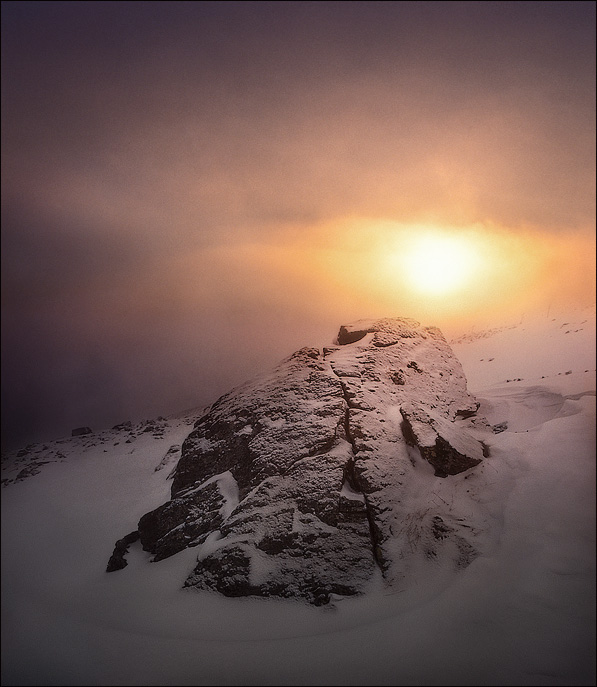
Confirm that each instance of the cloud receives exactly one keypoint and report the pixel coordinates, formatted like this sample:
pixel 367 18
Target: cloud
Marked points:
pixel 205 123
pixel 191 188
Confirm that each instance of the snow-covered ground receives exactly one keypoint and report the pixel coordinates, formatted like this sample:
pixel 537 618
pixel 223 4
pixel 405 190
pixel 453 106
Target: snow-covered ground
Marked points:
pixel 521 614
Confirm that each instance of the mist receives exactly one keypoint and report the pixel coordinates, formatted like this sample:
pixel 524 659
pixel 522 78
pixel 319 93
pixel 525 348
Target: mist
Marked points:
pixel 192 191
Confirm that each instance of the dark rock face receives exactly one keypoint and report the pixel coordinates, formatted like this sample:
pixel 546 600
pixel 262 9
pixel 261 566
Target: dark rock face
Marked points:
pixel 171 527
pixel 447 449
pixel 308 482
pixel 117 559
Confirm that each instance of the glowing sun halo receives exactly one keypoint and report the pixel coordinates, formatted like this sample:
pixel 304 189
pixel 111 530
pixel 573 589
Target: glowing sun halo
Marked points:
pixel 438 264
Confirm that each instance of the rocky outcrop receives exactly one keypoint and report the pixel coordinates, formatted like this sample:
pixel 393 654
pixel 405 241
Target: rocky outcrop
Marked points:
pixel 310 481
pixel 117 559
pixel 442 443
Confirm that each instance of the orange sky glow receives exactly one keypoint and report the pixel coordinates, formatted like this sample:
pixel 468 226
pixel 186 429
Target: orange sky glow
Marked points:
pixel 192 191
pixel 382 268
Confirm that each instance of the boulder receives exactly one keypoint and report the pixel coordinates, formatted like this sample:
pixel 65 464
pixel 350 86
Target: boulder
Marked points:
pixel 310 481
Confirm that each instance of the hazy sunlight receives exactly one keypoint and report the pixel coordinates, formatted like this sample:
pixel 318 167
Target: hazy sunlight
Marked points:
pixel 437 263
pixel 440 264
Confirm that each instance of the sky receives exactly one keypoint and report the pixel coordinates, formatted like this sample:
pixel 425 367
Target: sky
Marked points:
pixel 192 191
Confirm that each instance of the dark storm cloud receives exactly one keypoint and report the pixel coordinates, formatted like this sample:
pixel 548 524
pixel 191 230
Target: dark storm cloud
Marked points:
pixel 135 135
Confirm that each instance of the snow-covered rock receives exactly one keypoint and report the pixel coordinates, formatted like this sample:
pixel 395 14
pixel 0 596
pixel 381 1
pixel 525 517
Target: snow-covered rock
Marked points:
pixel 315 480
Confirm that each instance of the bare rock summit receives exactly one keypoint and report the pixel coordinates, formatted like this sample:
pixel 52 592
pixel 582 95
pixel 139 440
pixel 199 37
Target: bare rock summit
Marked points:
pixel 321 477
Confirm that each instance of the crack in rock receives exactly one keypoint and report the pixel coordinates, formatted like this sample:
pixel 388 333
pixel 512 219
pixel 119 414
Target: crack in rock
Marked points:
pixel 352 479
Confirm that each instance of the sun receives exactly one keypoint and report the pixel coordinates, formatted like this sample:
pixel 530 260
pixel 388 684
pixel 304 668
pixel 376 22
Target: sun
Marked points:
pixel 438 263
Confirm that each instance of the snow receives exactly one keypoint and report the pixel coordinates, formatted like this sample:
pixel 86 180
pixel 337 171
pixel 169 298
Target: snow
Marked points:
pixel 348 493
pixel 520 614
pixel 229 489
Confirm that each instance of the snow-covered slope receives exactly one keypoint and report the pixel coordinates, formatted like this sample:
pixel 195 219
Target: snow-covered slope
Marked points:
pixel 520 613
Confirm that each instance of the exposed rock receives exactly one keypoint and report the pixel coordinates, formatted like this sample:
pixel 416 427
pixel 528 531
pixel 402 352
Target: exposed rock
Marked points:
pixel 386 331
pixel 179 523
pixel 32 469
pixel 398 377
pixel 309 481
pixel 80 431
pixel 117 559
pixel 442 443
